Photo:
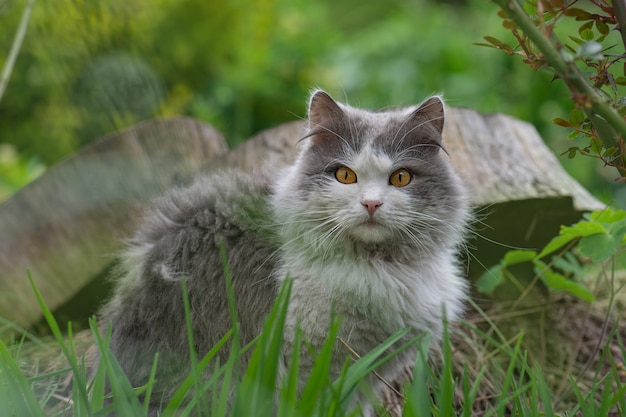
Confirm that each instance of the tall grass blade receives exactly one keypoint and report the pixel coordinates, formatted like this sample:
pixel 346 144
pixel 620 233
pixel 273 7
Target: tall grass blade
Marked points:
pixel 445 395
pixel 193 358
pixel 544 392
pixel 256 393
pixel 367 364
pixel 125 400
pixel 419 403
pixel 98 383
pixel 289 386
pixel 185 387
pixel 16 395
pixel 83 397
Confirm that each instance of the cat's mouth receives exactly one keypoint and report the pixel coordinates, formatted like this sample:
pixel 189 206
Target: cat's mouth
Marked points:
pixel 370 231
pixel 371 223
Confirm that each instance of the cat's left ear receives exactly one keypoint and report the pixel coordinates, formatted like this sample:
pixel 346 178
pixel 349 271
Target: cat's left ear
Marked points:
pixel 326 118
pixel 430 113
pixel 323 110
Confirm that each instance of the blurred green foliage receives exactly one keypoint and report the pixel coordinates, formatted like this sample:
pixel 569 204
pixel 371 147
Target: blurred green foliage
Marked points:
pixel 89 67
pixel 15 170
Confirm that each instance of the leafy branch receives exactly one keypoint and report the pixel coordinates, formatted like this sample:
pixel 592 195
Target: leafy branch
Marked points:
pixel 600 236
pixel 533 25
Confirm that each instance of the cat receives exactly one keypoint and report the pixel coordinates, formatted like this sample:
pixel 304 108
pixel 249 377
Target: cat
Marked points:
pixel 367 224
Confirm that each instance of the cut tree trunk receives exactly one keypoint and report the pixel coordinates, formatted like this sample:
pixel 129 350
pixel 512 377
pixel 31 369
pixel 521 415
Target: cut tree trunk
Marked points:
pixel 67 226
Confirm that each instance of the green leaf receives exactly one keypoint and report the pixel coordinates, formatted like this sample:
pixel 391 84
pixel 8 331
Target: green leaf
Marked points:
pixel 577 117
pixel 569 233
pixel 608 215
pixel 489 280
pixel 514 257
pixel 598 247
pixel 585 26
pixel 559 282
pixel 596 145
pixel 570 264
pixel 610 151
pixel 583 228
pixel 587 34
pixel 572 152
pixel 579 290
pixel 557 243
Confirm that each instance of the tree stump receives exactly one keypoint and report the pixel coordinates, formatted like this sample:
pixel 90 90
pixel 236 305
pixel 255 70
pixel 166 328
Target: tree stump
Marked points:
pixel 67 226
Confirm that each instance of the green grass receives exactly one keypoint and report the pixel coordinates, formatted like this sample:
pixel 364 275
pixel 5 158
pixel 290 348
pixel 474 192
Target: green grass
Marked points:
pixel 441 386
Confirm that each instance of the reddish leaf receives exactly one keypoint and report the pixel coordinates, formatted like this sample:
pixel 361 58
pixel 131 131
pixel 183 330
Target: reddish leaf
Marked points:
pixel 602 27
pixel 493 41
pixel 508 24
pixel 579 14
pixel 561 122
pixel 496 43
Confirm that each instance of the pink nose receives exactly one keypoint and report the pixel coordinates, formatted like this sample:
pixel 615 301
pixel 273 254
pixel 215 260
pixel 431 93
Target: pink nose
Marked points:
pixel 371 205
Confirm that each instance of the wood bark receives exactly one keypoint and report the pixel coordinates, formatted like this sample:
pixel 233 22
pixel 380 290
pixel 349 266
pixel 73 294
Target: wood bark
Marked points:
pixel 66 227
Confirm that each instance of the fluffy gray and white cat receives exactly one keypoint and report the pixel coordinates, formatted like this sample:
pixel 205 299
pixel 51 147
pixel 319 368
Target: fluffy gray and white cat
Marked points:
pixel 366 222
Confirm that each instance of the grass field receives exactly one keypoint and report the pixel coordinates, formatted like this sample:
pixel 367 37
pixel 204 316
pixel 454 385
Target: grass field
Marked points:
pixel 479 369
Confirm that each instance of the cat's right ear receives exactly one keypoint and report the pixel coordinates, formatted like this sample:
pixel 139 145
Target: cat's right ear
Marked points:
pixel 324 113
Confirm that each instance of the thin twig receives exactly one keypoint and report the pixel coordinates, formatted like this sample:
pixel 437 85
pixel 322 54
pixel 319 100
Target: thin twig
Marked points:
pixel 619 6
pixel 600 111
pixel 376 374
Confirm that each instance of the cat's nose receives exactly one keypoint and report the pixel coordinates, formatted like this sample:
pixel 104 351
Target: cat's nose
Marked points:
pixel 371 205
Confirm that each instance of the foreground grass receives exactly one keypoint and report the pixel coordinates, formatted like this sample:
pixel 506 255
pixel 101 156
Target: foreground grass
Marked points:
pixel 441 386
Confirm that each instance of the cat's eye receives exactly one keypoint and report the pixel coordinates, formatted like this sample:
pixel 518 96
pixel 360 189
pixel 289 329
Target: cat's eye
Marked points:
pixel 345 175
pixel 400 177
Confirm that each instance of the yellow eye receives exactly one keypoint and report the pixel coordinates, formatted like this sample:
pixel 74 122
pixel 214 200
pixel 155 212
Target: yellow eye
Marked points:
pixel 345 175
pixel 400 177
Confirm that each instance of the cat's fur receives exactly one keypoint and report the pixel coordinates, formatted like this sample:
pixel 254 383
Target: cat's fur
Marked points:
pixel 381 256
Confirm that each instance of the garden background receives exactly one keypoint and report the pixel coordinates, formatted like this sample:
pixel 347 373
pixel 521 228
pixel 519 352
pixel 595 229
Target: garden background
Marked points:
pixel 87 68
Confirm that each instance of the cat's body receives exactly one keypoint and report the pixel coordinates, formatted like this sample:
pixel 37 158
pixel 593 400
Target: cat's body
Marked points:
pixel 366 223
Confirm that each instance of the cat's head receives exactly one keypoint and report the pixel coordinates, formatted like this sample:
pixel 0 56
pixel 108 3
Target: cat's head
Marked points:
pixel 373 178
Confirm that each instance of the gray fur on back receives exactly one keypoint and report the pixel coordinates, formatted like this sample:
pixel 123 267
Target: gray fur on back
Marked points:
pixel 180 238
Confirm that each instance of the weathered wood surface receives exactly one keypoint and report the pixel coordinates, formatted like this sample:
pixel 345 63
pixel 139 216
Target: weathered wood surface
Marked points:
pixel 67 226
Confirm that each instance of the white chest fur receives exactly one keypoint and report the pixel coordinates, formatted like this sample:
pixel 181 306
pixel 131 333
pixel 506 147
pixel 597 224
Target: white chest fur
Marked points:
pixel 373 296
